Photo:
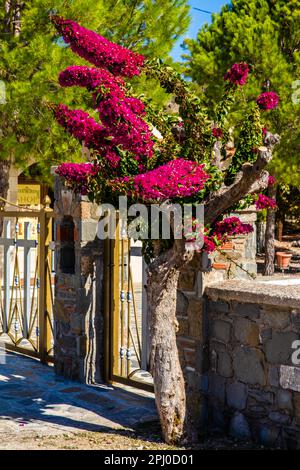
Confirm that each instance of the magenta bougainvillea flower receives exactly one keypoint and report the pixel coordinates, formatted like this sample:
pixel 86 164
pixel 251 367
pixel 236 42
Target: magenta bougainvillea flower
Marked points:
pixel 99 80
pixel 208 244
pixel 231 226
pixel 177 178
pixel 97 50
pixel 121 115
pixel 271 180
pixel 217 132
pixel 78 174
pixel 268 100
pixel 81 126
pixel 264 202
pixel 238 74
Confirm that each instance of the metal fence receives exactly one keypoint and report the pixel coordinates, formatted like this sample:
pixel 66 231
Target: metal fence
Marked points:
pixel 27 281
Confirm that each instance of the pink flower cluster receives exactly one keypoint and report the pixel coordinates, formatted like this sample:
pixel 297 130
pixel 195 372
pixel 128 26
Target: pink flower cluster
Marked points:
pixel 268 100
pixel 271 180
pixel 77 174
pixel 93 79
pixel 264 202
pixel 97 50
pixel 238 74
pixel 217 132
pixel 209 244
pixel 231 226
pixel 84 128
pixel 119 113
pixel 177 178
pixel 81 126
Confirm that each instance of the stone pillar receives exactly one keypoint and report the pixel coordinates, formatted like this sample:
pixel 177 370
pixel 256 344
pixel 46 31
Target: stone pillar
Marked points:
pixel 78 318
pixel 12 195
pixel 240 251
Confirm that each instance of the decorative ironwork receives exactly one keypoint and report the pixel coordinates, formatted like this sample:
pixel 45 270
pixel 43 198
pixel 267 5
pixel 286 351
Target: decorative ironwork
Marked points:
pixel 126 317
pixel 26 281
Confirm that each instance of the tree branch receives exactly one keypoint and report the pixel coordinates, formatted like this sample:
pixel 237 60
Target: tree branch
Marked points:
pixel 249 180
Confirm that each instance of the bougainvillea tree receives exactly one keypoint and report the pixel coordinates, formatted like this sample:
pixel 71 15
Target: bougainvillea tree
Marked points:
pixel 156 157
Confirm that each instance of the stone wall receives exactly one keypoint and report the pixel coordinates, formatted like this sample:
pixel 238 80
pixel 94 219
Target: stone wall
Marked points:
pixel 234 337
pixel 253 387
pixel 78 306
pixel 192 333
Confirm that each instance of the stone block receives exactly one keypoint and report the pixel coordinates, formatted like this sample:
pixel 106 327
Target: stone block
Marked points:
pixel 183 326
pixel 262 396
pixel 239 427
pixel 289 378
pixel 187 280
pixel 193 380
pixel 60 312
pixel 195 316
pixel 218 306
pixel 248 267
pixel 246 331
pixel 217 387
pixel 248 364
pixel 201 358
pixel 204 385
pixel 236 394
pixel 276 317
pixel 217 346
pixel 88 230
pixel 296 319
pixel 81 346
pixel 67 343
pixel 251 311
pixel 182 304
pixel 85 209
pixel 296 403
pixel 279 418
pixel 279 348
pixel 218 424
pixel 224 367
pixel 76 324
pixel 221 330
pixel 265 334
pixel 285 400
pixel 274 376
pixel 268 435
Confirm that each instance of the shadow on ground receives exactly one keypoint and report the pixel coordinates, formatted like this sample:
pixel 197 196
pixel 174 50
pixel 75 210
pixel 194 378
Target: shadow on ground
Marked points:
pixel 33 399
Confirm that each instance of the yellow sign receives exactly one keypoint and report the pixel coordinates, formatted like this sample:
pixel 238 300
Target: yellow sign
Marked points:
pixel 29 194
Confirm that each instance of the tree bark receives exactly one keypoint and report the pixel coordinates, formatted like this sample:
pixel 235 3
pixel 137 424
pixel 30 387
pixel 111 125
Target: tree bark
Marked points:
pixel 4 185
pixel 17 18
pixel 270 237
pixel 169 385
pixel 280 226
pixel 7 18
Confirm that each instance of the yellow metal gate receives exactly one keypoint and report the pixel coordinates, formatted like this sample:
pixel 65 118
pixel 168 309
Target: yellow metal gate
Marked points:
pixel 26 280
pixel 126 332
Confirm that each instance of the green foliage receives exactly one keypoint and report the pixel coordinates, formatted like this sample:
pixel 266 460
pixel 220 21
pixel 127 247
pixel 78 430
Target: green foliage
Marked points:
pixel 249 139
pixel 266 35
pixel 30 63
pixel 288 200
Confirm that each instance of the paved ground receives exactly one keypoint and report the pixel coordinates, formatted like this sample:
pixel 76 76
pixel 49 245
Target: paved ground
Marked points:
pixel 34 402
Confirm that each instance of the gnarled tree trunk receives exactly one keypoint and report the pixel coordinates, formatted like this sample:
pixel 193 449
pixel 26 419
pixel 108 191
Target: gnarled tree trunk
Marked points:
pixel 169 385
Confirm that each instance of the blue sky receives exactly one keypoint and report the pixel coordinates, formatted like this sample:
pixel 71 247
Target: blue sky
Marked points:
pixel 198 19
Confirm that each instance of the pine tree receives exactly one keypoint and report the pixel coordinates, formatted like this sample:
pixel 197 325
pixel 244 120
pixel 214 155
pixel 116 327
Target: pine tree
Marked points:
pixel 266 35
pixel 31 56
